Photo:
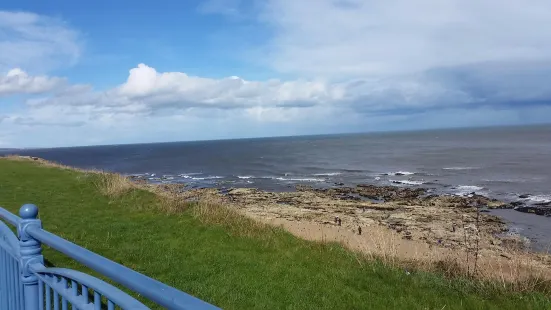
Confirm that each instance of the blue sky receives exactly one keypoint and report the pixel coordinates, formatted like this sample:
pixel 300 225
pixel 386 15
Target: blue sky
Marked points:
pixel 109 72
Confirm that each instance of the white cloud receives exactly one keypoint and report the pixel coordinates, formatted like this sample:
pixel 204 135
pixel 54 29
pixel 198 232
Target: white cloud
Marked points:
pixel 147 92
pixel 36 43
pixel 17 81
pixel 177 89
pixel 394 37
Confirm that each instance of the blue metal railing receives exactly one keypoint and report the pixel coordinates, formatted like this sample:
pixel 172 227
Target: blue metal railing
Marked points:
pixel 26 284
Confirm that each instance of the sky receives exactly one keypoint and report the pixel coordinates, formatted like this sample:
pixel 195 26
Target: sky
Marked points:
pixel 114 72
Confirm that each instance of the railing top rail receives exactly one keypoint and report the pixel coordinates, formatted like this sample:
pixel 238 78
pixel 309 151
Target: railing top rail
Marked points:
pixel 112 293
pixel 9 217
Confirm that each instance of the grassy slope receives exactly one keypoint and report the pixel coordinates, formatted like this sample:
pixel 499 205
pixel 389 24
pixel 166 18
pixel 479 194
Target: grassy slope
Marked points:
pixel 269 270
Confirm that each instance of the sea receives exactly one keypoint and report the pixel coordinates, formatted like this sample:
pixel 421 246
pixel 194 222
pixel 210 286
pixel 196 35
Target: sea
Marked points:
pixel 499 162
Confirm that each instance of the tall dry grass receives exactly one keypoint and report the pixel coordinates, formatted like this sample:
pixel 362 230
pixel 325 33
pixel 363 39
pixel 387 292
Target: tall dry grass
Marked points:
pixel 514 268
pixel 214 213
pixel 113 184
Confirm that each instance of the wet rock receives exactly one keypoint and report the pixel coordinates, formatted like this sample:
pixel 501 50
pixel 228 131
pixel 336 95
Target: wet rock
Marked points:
pixel 224 191
pixel 349 197
pixel 303 188
pixel 535 209
pixel 138 178
pixel 523 196
pixel 389 193
pixel 173 188
pixel 500 206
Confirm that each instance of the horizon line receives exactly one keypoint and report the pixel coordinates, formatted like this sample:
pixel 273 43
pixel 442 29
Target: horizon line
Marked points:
pixel 286 136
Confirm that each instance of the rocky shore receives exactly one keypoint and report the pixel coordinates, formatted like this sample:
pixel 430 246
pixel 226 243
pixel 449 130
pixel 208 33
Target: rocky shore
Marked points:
pixel 413 214
pixel 413 195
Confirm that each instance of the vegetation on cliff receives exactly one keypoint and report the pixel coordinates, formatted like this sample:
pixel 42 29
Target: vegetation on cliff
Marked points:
pixel 218 255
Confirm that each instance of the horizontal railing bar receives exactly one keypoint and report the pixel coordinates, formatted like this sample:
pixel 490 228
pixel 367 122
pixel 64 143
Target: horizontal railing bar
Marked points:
pixel 104 288
pixel 152 289
pixel 64 292
pixel 9 217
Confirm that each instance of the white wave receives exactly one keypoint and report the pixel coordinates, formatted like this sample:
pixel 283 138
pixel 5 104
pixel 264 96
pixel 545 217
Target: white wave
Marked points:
pixel 299 179
pixel 328 174
pixel 137 174
pixel 188 175
pixel 245 176
pixel 377 178
pixel 207 178
pixel 407 182
pixel 460 168
pixel 400 173
pixel 467 189
pixel 539 198
pixel 501 180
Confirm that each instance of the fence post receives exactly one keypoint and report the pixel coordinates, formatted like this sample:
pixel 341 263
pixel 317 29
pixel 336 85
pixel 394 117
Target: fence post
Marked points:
pixel 31 253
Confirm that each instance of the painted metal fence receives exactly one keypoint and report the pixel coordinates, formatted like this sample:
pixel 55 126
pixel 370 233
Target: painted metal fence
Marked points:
pixel 27 284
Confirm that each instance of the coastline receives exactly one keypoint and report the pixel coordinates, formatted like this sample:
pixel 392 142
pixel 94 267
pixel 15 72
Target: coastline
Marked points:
pixel 512 210
pixel 401 226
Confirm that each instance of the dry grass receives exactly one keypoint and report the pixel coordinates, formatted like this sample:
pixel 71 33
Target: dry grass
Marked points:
pixel 513 269
pixel 213 213
pixel 113 185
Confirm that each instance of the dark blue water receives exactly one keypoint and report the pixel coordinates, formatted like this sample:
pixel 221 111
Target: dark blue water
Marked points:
pixel 497 162
pixel 500 162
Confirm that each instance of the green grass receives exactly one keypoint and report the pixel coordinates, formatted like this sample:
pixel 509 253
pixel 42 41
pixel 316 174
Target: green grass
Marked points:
pixel 265 269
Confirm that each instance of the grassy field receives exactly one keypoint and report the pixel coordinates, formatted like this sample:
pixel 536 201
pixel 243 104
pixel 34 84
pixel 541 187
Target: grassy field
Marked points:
pixel 228 260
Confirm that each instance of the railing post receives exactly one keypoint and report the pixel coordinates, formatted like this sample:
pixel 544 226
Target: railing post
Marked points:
pixel 31 253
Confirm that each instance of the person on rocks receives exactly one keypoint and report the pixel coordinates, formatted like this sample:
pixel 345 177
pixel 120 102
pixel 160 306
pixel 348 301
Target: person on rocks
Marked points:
pixel 359 230
pixel 340 221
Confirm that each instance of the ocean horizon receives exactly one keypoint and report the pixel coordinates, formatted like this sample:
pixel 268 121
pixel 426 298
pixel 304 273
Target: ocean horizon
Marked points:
pixel 374 132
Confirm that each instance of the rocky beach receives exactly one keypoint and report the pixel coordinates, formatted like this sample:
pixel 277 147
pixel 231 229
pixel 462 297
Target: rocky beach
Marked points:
pixel 435 219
